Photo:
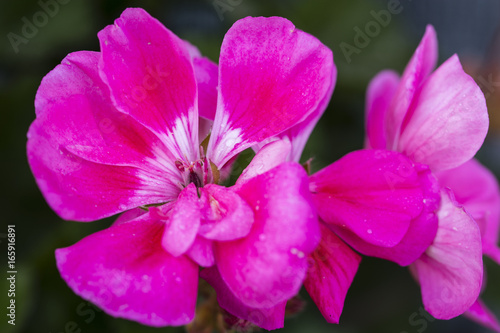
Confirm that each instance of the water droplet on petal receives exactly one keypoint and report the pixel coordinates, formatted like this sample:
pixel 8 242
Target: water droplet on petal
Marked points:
pixel 369 231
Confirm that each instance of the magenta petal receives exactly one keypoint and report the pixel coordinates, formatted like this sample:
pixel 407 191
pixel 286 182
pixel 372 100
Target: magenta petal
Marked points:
pixel 299 134
pixel 373 193
pixel 267 318
pixel 150 74
pixel 476 188
pixel 182 222
pixel 125 271
pixel 334 266
pixel 420 66
pixel 272 76
pixel 480 313
pixel 379 95
pixel 201 252
pixel 449 121
pixel 226 216
pixel 120 168
pixel 450 272
pixel 268 266
pixel 420 234
pixel 268 157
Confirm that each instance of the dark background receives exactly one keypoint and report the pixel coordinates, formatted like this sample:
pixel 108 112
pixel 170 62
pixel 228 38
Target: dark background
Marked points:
pixel 383 297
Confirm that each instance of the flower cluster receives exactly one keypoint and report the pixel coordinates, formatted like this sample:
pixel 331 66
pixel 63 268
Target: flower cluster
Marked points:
pixel 149 128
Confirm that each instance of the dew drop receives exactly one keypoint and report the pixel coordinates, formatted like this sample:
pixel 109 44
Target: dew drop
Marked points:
pixel 369 231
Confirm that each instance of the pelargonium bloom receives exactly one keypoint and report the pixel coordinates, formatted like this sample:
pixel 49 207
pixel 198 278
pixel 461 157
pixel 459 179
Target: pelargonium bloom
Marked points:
pixel 119 129
pixel 352 191
pixel 438 119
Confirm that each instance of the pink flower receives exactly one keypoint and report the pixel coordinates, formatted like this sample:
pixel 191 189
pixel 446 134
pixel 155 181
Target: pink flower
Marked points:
pixel 353 192
pixel 438 119
pixel 120 129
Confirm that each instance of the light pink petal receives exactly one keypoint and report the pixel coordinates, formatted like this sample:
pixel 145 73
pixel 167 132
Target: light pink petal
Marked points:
pixel 268 266
pixel 267 158
pixel 202 252
pixel 449 121
pixel 271 77
pixel 333 267
pixel 372 193
pixel 182 222
pixel 480 313
pixel 450 272
pixel 379 95
pixel 420 66
pixel 125 271
pixel 123 166
pixel 267 318
pixel 151 78
pixel 225 215
pixel 476 188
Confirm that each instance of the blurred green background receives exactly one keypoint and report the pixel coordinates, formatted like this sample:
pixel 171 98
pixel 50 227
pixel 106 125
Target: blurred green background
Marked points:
pixel 383 297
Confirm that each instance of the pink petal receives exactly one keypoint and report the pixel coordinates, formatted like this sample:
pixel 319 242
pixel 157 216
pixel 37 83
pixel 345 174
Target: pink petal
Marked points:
pixel 379 95
pixel 373 193
pixel 334 266
pixel 421 64
pixel 480 313
pixel 125 271
pixel 124 165
pixel 226 216
pixel 182 222
pixel 476 188
pixel 268 157
pixel 420 234
pixel 268 266
pixel 449 121
pixel 299 134
pixel 267 318
pixel 150 74
pixel 450 272
pixel 272 76
pixel 202 252
pixel 206 73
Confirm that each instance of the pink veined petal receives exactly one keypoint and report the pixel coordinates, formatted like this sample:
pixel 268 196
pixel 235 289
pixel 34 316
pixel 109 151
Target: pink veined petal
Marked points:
pixel 450 272
pixel 480 313
pixel 449 121
pixel 379 95
pixel 268 266
pixel 299 134
pixel 333 267
pixel 266 90
pixel 125 271
pixel 201 252
pixel 419 67
pixel 267 318
pixel 372 193
pixel 420 234
pixel 89 160
pixel 225 215
pixel 150 74
pixel 129 215
pixel 182 221
pixel 476 188
pixel 267 158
